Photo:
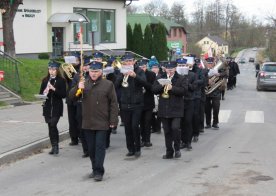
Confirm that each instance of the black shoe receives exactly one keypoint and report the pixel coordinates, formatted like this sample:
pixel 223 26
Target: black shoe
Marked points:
pixel 148 144
pixel 195 139
pixel 114 131
pixel 137 154
pixel 222 98
pixel 215 126
pixel 92 175
pixel 167 156
pixel 56 149
pixel 177 154
pixel 98 177
pixel 207 127
pixel 130 154
pixel 142 144
pixel 122 124
pixel 52 151
pixel 189 147
pixel 183 145
pixel 73 143
pixel 201 130
pixel 85 155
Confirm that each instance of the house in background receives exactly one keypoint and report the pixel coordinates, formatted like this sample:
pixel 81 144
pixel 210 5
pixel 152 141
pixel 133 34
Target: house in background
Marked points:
pixel 49 26
pixel 176 33
pixel 215 43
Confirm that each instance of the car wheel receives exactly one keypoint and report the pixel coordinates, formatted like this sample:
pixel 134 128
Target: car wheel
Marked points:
pixel 258 88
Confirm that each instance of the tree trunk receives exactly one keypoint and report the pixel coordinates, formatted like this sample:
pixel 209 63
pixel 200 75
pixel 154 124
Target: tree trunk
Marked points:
pixel 7 21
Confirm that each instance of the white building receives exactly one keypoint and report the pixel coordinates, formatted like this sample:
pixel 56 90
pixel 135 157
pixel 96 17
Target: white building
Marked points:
pixel 44 26
pixel 215 43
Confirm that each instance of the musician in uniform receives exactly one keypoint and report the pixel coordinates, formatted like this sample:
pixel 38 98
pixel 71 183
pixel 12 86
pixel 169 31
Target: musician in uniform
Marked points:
pixel 186 123
pixel 145 123
pixel 98 56
pixel 171 108
pixel 54 86
pixel 72 106
pixel 99 113
pixel 78 100
pixel 131 85
pixel 212 104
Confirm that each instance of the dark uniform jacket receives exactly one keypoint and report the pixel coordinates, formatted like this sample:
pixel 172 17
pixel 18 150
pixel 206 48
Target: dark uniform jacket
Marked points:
pixel 132 97
pixel 172 107
pixel 190 94
pixel 149 95
pixel 99 104
pixel 53 106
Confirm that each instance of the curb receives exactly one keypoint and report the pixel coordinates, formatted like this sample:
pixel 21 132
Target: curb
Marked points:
pixel 29 149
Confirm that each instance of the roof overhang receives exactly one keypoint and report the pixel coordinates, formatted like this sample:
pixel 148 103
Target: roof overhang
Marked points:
pixel 68 18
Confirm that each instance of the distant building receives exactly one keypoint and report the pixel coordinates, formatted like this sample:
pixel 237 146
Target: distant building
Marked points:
pixel 176 33
pixel 215 43
pixel 49 26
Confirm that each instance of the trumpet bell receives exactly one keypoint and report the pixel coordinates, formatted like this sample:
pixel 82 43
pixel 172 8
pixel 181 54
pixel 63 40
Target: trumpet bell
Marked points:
pixel 165 95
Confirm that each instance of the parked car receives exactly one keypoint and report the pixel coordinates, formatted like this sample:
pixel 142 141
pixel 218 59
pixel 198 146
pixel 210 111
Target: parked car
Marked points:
pixel 254 49
pixel 251 59
pixel 242 60
pixel 266 78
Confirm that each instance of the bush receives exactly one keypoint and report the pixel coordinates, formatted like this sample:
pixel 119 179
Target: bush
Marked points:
pixel 43 56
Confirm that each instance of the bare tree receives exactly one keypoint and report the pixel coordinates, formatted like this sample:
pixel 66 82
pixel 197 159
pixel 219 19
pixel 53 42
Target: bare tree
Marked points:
pixel 8 11
pixel 165 11
pixel 154 7
pixel 177 13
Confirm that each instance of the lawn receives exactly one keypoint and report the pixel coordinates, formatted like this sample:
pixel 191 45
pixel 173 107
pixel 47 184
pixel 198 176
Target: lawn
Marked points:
pixel 31 73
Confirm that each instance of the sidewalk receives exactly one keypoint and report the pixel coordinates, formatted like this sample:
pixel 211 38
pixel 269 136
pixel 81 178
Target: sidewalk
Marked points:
pixel 24 132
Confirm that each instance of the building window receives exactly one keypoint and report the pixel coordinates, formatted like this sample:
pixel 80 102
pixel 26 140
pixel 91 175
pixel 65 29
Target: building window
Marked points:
pixel 102 24
pixel 174 32
pixel 180 32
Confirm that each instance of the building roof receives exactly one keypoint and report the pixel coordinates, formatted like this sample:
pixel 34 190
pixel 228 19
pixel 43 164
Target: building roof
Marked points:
pixel 145 19
pixel 217 39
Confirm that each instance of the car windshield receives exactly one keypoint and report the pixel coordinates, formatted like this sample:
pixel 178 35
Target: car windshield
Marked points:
pixel 269 67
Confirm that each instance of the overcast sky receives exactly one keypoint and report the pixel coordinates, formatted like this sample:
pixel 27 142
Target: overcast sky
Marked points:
pixel 259 8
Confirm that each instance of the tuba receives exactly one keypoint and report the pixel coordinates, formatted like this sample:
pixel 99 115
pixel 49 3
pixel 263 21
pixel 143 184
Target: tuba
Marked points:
pixel 69 70
pixel 215 81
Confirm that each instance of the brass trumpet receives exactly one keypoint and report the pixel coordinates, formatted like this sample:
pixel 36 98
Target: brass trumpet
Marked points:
pixel 68 69
pixel 165 94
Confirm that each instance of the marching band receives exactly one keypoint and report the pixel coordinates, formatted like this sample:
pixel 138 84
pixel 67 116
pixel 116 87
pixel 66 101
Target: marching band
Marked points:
pixel 144 92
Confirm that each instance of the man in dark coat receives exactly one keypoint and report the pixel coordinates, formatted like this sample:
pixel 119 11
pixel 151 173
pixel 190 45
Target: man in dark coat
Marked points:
pixel 99 113
pixel 171 108
pixel 146 116
pixel 130 83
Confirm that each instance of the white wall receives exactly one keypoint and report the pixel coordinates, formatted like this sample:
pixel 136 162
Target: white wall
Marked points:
pixel 66 6
pixel 30 33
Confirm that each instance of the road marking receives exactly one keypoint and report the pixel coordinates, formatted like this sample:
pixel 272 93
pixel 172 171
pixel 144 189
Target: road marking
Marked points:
pixel 18 121
pixel 224 116
pixel 254 117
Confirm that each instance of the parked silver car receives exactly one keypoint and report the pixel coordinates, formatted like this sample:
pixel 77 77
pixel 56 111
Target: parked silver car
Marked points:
pixel 266 78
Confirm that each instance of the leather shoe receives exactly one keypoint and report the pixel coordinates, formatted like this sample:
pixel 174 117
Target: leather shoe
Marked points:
pixel 73 143
pixel 130 154
pixel 85 155
pixel 92 175
pixel 137 154
pixel 189 147
pixel 215 126
pixel 167 156
pixel 98 177
pixel 52 151
pixel 183 145
pixel 195 139
pixel 142 144
pixel 207 126
pixel 148 144
pixel 177 154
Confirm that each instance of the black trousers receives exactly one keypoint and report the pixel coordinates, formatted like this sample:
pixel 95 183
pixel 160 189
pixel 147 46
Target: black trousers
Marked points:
pixel 131 119
pixel 96 149
pixel 196 125
pixel 187 122
pixel 212 104
pixel 155 122
pixel 81 131
pixel 171 128
pixel 145 124
pixel 53 130
pixel 73 122
pixel 201 114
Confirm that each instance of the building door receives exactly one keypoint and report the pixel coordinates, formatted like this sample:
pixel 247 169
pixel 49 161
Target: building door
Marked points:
pixel 57 41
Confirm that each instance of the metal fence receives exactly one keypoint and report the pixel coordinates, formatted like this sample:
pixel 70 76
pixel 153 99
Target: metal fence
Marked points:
pixel 11 76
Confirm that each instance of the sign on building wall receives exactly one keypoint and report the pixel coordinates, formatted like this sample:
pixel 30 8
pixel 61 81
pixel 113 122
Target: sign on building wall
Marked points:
pixel 28 13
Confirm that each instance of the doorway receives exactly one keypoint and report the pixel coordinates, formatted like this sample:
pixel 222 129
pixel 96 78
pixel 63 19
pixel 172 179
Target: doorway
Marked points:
pixel 57 41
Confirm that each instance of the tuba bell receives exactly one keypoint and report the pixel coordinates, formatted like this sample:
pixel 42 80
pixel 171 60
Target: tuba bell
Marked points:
pixel 215 81
pixel 69 70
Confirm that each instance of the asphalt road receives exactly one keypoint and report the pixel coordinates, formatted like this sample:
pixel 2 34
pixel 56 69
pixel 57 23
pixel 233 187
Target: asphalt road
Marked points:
pixel 238 159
